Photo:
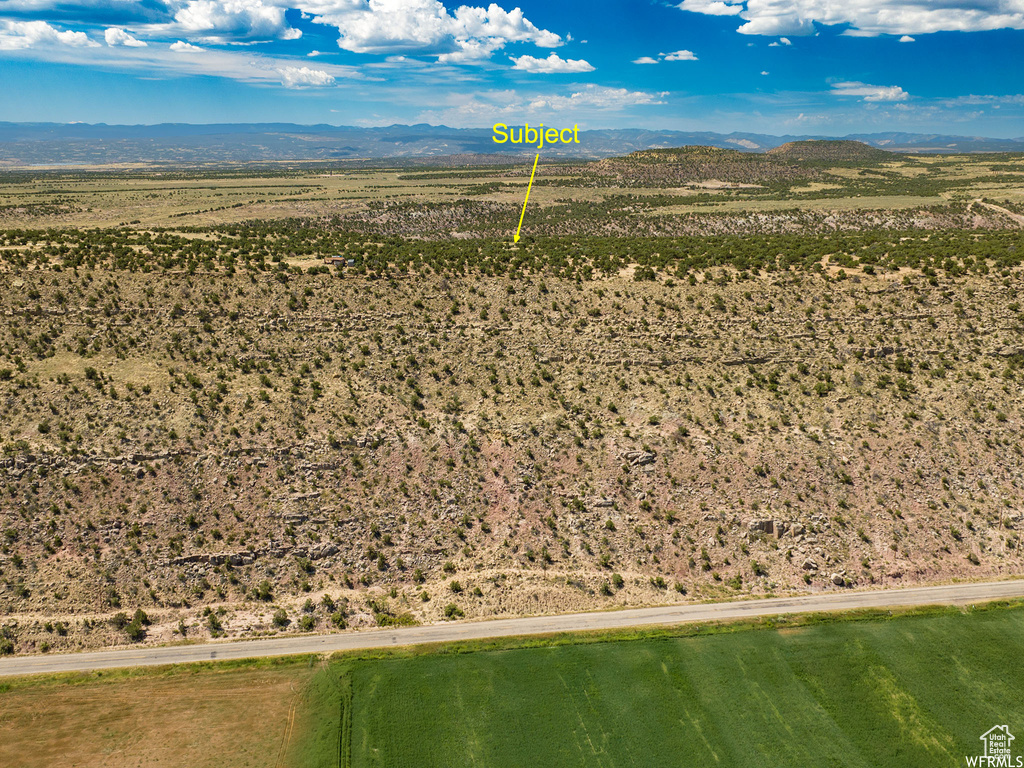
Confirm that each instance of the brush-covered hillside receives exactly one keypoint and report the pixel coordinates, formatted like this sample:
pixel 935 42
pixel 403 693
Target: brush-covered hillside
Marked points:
pixel 270 451
pixel 657 167
pixel 829 151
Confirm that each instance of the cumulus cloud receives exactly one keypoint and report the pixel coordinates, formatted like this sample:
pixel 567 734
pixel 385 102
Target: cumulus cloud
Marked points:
pixel 465 34
pixel 37 41
pixel 116 36
pixel 189 36
pixel 20 35
pixel 553 64
pixel 221 21
pixel 712 7
pixel 304 77
pixel 866 18
pixel 674 56
pixel 468 34
pixel 495 22
pixel 225 20
pixel 870 92
pixel 907 39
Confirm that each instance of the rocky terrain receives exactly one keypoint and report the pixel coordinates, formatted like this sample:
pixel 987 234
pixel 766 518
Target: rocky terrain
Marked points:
pixel 207 454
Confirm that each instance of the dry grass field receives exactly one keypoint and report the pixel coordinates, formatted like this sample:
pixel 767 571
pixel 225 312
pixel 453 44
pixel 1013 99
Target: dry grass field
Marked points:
pixel 206 717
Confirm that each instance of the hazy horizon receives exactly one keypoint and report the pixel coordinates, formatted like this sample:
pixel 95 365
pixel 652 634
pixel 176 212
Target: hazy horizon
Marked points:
pixel 881 131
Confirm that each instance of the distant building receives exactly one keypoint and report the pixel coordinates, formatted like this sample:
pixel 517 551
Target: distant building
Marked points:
pixel 332 260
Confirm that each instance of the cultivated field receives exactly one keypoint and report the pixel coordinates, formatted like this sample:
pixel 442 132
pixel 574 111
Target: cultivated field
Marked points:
pixel 909 692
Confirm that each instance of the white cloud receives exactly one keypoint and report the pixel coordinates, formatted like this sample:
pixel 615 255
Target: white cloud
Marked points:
pixel 469 34
pixel 495 22
pixel 20 35
pixel 599 96
pixel 866 18
pixel 116 36
pixel 226 20
pixel 674 56
pixel 465 34
pixel 712 7
pixel 679 56
pixel 871 93
pixel 186 37
pixel 469 52
pixel 181 58
pixel 482 107
pixel 764 72
pixel 304 77
pixel 907 39
pixel 553 64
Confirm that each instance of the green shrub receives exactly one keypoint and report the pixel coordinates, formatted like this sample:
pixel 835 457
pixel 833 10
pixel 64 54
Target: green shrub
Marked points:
pixel 264 591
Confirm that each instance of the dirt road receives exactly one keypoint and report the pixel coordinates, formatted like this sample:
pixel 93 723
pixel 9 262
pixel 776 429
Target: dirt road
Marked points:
pixel 954 594
pixel 999 209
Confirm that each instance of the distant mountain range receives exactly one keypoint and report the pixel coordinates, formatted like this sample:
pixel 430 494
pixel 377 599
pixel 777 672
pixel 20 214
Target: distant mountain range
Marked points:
pixel 24 144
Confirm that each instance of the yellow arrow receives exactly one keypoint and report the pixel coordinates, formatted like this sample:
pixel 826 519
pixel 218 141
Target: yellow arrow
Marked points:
pixel 516 238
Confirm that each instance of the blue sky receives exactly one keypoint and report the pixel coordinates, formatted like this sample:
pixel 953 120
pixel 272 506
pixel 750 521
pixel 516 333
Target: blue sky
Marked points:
pixel 827 67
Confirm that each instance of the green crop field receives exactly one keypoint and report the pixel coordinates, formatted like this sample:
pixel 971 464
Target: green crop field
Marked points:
pixel 909 691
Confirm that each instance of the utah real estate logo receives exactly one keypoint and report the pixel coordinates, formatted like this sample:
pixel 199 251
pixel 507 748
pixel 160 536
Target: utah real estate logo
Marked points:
pixel 998 751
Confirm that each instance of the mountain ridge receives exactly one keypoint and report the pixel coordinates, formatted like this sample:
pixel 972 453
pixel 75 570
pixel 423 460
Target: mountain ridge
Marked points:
pixel 103 144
